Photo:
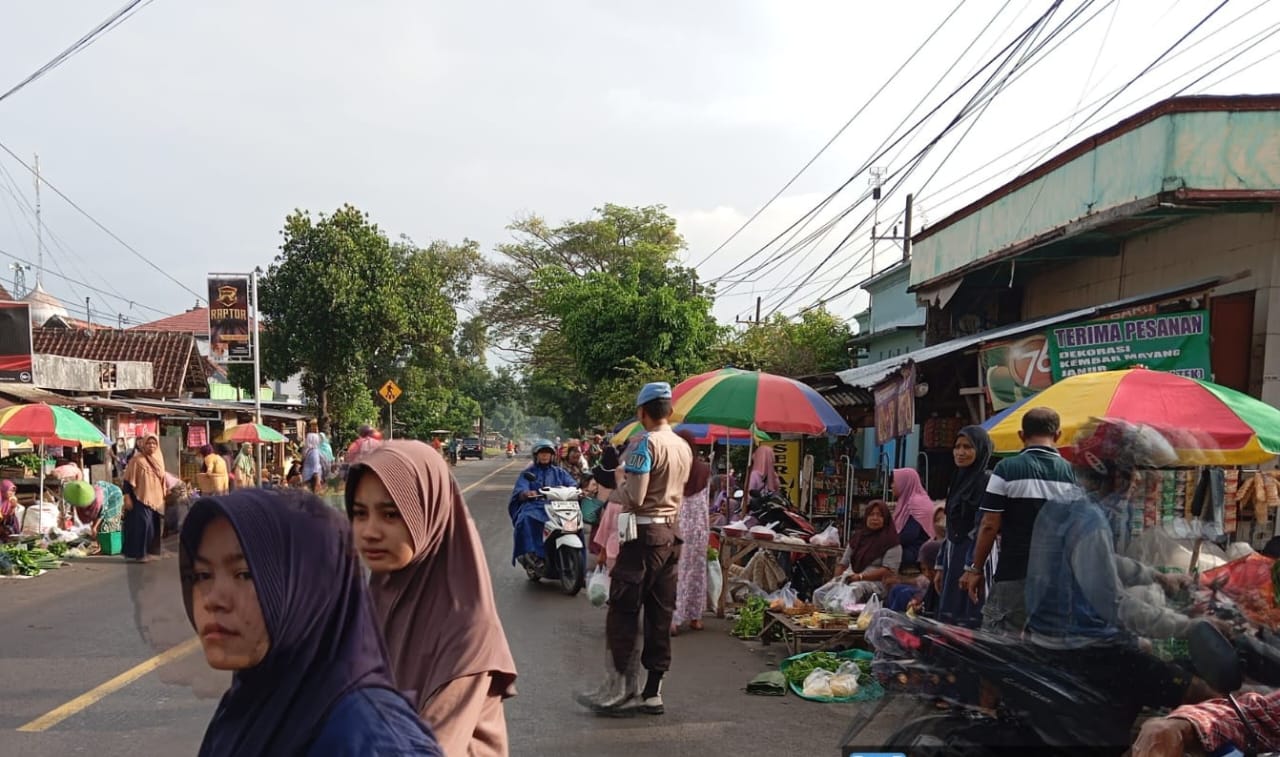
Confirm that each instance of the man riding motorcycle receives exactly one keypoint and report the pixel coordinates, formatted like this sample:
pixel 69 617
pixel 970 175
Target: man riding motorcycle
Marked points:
pixel 527 506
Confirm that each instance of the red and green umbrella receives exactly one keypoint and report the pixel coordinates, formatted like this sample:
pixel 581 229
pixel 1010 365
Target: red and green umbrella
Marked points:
pixel 755 400
pixel 50 425
pixel 703 433
pixel 1207 424
pixel 254 433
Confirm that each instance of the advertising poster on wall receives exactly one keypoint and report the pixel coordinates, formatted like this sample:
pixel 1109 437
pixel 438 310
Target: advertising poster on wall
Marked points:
pixel 786 461
pixel 1015 369
pixel 15 343
pixel 230 338
pixel 1173 342
pixel 896 405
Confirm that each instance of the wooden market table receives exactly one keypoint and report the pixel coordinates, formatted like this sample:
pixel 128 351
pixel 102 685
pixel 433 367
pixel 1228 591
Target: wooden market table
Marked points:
pixel 735 548
pixel 796 636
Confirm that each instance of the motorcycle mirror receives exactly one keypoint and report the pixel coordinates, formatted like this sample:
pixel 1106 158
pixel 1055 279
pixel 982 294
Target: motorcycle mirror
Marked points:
pixel 1214 657
pixel 528 476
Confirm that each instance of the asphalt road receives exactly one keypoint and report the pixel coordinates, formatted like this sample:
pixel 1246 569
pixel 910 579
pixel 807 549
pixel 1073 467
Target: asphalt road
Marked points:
pixel 65 634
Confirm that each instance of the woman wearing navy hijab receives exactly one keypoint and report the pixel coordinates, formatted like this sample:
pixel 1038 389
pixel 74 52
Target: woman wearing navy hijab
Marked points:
pixel 273 588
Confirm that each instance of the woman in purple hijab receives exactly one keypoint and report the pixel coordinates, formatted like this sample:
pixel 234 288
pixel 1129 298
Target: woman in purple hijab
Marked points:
pixel 272 586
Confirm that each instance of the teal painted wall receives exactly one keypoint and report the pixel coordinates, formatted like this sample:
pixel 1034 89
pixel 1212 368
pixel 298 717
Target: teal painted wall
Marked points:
pixel 1208 150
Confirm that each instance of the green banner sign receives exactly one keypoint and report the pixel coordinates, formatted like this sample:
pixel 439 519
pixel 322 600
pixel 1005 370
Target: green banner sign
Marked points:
pixel 1173 342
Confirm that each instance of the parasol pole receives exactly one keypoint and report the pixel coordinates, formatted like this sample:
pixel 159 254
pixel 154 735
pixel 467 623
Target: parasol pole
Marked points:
pixel 257 369
pixel 40 500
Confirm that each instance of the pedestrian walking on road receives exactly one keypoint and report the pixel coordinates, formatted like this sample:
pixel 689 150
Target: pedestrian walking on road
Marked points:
pixel 695 533
pixel 433 596
pixel 645 575
pixel 1018 488
pixel 272 586
pixel 144 501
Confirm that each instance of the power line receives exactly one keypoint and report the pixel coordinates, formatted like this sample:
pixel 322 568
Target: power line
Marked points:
pixel 87 286
pixel 835 136
pixel 100 225
pixel 112 21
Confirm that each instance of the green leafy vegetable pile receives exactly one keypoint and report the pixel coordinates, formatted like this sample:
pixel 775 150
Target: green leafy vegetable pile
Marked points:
pixel 800 669
pixel 58 548
pixel 25 562
pixel 751 619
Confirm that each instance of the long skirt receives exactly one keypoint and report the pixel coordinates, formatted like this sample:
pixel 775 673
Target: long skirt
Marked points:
pixel 954 605
pixel 143 530
pixel 691 589
pixel 528 531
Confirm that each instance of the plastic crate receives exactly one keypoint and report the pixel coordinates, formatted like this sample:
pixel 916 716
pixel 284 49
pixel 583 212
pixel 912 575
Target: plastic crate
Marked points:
pixel 112 543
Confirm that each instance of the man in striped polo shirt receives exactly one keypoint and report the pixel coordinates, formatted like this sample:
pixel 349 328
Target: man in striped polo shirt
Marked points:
pixel 1018 488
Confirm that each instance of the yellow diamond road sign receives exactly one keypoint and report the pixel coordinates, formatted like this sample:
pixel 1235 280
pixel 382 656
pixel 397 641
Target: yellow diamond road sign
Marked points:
pixel 390 392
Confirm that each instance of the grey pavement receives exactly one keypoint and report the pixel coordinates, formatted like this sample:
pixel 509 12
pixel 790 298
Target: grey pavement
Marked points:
pixel 71 630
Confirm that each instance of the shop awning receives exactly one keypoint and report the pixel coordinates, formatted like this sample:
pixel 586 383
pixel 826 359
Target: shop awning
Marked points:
pixel 867 376
pixel 19 394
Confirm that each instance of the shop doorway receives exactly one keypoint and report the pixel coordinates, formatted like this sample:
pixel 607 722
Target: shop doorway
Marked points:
pixel 1231 331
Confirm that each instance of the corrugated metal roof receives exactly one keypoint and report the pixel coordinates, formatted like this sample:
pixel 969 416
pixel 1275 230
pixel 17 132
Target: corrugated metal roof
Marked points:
pixel 867 376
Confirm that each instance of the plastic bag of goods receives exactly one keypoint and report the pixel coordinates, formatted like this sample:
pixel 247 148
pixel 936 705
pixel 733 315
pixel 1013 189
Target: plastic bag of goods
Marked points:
pixel 598 587
pixel 832 596
pixel 39 518
pixel 828 538
pixel 868 610
pixel 783 598
pixel 715 583
pixel 818 683
pixel 844 682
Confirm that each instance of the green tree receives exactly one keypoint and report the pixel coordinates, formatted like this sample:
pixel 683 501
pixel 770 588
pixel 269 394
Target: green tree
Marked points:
pixel 583 304
pixel 817 342
pixel 348 309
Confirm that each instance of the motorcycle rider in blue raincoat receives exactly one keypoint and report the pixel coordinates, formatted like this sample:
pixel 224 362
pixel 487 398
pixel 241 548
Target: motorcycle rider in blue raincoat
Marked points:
pixel 528 508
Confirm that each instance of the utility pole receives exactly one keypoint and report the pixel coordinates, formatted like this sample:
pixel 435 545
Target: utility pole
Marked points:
pixel 39 230
pixel 877 178
pixel 904 240
pixel 88 312
pixel 257 361
pixel 748 321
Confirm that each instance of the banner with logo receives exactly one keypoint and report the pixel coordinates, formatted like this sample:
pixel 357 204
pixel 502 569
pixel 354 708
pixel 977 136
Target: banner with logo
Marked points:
pixel 15 343
pixel 230 338
pixel 1015 369
pixel 787 462
pixel 1173 342
pixel 896 405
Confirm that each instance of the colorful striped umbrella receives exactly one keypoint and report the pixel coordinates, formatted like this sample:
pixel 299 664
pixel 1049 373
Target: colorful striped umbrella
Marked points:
pixel 50 425
pixel 754 400
pixel 703 433
pixel 1207 424
pixel 254 433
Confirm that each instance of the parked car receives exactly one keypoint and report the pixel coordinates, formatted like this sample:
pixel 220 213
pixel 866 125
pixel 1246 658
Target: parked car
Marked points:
pixel 471 447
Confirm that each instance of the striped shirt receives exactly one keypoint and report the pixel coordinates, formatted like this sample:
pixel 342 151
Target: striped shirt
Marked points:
pixel 1019 487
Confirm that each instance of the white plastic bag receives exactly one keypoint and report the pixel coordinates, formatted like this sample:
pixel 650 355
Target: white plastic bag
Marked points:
pixel 828 538
pixel 715 583
pixel 833 596
pixel 844 682
pixel 818 683
pixel 870 609
pixel 598 587
pixel 783 598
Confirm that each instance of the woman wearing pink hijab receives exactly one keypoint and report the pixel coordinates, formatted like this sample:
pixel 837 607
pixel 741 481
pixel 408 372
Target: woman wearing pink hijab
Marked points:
pixel 913 515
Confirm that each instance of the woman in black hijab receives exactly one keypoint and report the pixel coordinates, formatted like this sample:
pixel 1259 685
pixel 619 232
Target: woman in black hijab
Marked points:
pixel 972 454
pixel 272 586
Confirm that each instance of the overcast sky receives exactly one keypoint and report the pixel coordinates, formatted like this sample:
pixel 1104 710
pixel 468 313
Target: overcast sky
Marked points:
pixel 193 128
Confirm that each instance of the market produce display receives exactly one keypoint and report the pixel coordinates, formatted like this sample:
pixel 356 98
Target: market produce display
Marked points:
pixel 751 618
pixel 19 561
pixel 833 676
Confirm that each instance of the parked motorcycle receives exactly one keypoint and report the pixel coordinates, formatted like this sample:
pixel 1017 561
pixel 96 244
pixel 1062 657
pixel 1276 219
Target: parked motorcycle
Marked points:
pixel 562 540
pixel 1046 707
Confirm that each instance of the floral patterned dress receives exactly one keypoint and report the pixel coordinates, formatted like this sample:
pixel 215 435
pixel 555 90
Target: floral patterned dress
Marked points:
pixel 695 532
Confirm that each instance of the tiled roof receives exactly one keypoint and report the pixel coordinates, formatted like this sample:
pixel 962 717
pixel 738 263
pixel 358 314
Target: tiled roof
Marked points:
pixel 194 321
pixel 176 363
